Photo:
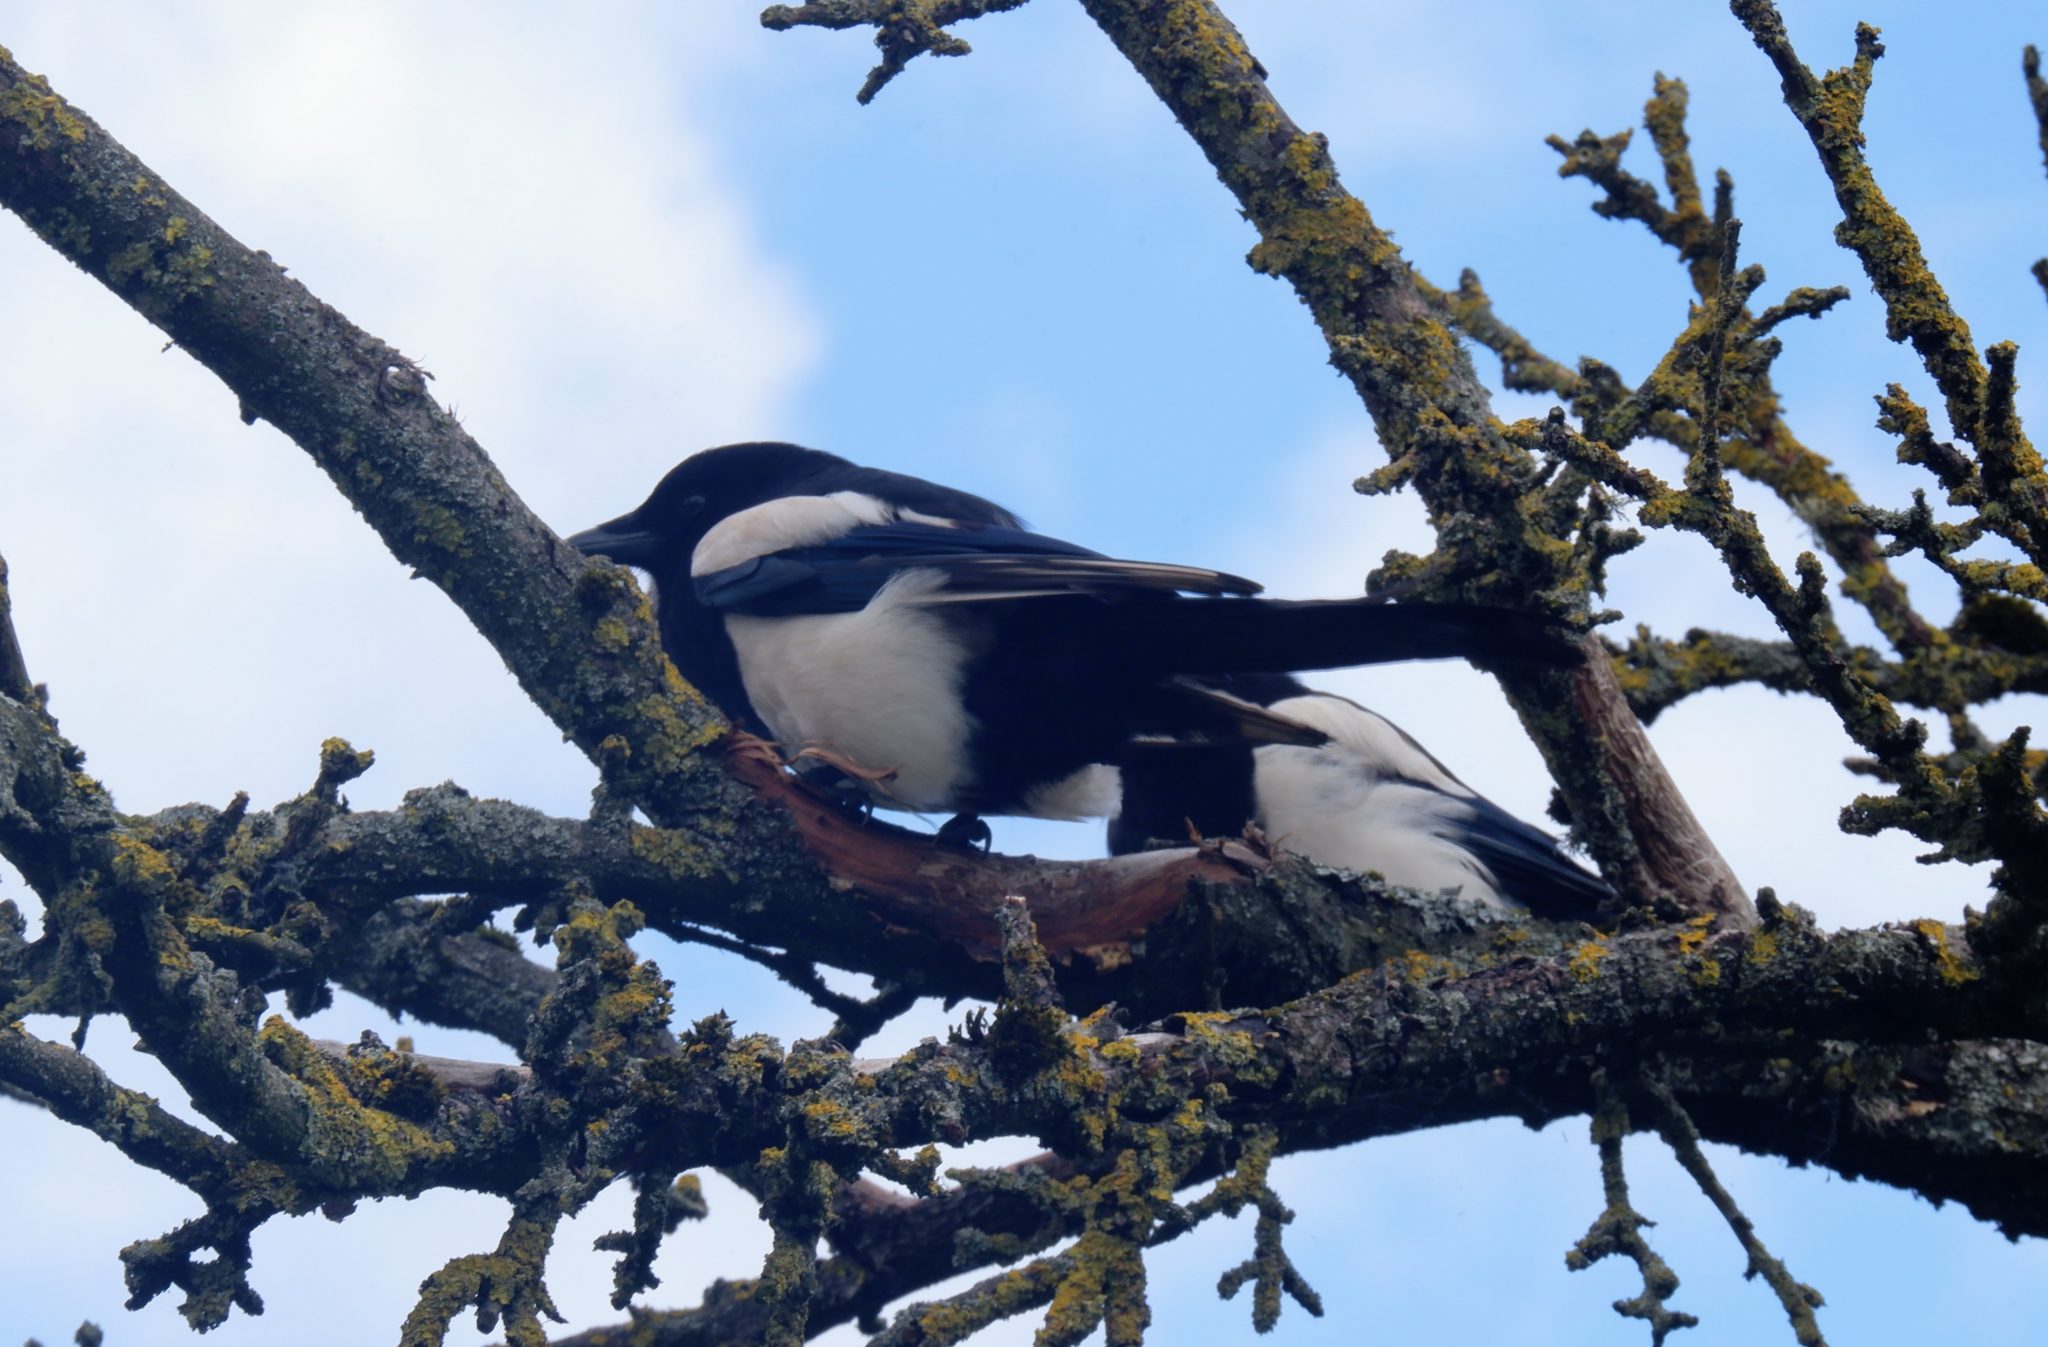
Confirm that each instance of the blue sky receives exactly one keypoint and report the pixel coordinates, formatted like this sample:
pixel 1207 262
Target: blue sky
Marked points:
pixel 617 241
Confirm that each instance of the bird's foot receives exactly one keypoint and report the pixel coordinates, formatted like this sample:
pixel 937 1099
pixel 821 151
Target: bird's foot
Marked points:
pixel 877 778
pixel 846 795
pixel 968 832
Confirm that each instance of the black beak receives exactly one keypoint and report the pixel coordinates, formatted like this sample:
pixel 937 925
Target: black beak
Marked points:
pixel 621 540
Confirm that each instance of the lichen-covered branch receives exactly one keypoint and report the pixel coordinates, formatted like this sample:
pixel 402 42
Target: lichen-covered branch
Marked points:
pixel 1949 812
pixel 1762 445
pixel 1917 310
pixel 74 1088
pixel 1435 420
pixel 14 681
pixel 1261 927
pixel 1657 673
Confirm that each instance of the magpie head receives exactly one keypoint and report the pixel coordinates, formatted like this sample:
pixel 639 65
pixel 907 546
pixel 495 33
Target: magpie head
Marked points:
pixel 698 492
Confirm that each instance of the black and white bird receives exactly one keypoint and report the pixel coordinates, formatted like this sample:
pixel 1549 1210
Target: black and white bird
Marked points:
pixel 920 638
pixel 1370 799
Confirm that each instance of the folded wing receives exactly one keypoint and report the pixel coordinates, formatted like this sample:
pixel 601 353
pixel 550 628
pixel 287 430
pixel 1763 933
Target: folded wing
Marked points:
pixel 979 565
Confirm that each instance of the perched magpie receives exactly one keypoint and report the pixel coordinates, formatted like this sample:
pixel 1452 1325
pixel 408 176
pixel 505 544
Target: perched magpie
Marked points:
pixel 1369 799
pixel 921 641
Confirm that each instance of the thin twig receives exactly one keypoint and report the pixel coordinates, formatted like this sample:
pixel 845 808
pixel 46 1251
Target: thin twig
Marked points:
pixel 1618 1229
pixel 1675 1125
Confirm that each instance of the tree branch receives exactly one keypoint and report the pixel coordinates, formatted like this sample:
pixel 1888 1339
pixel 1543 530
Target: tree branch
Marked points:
pixel 1829 109
pixel 1434 417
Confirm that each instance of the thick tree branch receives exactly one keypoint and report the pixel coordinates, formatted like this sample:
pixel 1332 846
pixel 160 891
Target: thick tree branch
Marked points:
pixel 1262 927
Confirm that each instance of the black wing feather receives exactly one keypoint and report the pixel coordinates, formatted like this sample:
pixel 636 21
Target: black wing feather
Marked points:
pixel 844 573
pixel 1528 864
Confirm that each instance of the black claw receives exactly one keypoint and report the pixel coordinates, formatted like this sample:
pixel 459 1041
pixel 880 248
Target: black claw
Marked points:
pixel 968 832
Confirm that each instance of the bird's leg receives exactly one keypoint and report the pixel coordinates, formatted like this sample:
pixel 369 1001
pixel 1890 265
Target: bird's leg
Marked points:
pixel 968 832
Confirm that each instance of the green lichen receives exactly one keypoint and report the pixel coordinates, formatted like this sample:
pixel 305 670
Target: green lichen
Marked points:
pixel 1951 966
pixel 437 527
pixel 503 1285
pixel 677 854
pixel 43 116
pixel 359 1147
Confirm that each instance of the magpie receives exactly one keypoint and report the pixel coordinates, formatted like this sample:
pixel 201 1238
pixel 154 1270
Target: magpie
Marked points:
pixel 922 642
pixel 1370 798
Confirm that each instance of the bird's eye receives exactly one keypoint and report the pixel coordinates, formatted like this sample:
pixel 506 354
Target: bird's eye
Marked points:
pixel 693 505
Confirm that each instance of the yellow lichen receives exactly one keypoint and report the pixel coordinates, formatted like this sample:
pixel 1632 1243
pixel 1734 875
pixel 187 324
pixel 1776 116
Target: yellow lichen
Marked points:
pixel 42 115
pixel 1953 969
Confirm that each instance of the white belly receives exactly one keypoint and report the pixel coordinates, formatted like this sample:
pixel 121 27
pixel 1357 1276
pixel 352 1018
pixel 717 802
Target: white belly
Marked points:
pixel 879 688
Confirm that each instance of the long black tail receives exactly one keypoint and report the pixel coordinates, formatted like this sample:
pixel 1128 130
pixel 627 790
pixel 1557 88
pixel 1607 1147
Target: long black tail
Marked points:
pixel 1234 636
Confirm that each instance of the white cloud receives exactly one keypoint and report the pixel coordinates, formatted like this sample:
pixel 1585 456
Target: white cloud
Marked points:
pixel 528 206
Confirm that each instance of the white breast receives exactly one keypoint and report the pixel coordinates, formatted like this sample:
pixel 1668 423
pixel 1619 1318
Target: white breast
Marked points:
pixel 880 687
pixel 1330 805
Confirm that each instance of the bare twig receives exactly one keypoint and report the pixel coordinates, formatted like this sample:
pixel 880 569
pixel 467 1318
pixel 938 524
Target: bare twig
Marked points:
pixel 1618 1229
pixel 1676 1127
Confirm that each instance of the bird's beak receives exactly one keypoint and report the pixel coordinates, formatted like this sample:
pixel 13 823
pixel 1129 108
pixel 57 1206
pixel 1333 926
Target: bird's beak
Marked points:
pixel 621 540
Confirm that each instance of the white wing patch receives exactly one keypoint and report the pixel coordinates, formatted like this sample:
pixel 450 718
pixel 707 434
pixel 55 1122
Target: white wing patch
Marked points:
pixel 918 516
pixel 880 687
pixel 789 521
